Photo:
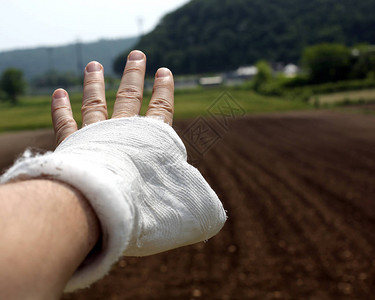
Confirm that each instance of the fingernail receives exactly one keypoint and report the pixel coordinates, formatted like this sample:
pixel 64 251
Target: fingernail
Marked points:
pixel 136 55
pixel 163 72
pixel 93 67
pixel 59 94
pixel 60 97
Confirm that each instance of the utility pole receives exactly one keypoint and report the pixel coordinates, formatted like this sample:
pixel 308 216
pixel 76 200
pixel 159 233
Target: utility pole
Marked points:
pixel 50 59
pixel 79 56
pixel 140 26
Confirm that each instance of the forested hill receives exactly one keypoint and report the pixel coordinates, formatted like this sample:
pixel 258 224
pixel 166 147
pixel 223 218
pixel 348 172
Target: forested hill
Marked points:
pixel 214 35
pixel 68 58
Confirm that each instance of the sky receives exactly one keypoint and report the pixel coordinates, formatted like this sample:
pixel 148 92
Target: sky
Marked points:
pixel 34 23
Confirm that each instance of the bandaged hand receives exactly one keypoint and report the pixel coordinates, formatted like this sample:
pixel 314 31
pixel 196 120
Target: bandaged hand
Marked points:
pixel 133 170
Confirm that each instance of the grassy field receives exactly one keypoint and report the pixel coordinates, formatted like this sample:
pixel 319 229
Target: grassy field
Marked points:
pixel 34 112
pixel 346 97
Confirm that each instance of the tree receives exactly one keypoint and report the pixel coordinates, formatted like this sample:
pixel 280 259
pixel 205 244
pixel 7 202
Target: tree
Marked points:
pixel 363 57
pixel 263 76
pixel 13 84
pixel 327 62
pixel 203 36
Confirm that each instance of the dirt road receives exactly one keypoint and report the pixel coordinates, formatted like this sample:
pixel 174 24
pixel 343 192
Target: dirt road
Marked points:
pixel 300 193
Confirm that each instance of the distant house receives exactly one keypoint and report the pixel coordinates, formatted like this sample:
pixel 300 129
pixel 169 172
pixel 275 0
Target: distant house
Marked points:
pixel 290 70
pixel 210 81
pixel 246 71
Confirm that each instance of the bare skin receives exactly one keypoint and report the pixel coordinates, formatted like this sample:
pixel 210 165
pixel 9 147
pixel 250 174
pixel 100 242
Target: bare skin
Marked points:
pixel 128 99
pixel 47 228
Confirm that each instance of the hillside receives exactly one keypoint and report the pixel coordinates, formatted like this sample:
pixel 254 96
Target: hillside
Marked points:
pixel 65 58
pixel 212 35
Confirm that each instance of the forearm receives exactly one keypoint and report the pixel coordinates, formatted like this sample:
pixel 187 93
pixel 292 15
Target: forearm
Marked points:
pixel 46 230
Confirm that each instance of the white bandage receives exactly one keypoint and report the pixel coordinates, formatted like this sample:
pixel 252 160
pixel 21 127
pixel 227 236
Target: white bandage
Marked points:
pixel 135 175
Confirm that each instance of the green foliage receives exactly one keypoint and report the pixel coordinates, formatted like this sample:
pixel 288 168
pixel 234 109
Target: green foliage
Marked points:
pixel 327 62
pixel 331 68
pixel 263 76
pixel 297 81
pixel 301 89
pixel 209 36
pixel 13 84
pixel 363 61
pixel 347 85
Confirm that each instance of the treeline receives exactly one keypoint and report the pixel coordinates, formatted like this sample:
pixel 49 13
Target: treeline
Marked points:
pixel 210 35
pixel 335 62
pixel 325 68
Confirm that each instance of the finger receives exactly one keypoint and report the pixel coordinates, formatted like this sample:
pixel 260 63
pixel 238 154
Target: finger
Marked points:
pixel 130 93
pixel 94 106
pixel 62 116
pixel 162 100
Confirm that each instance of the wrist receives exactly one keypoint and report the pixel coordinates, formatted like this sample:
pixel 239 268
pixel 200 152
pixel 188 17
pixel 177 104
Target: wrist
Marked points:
pixel 57 226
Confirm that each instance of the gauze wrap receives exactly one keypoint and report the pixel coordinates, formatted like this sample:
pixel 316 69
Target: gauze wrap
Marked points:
pixel 134 173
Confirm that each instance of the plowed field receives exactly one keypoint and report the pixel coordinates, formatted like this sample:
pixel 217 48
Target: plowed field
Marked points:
pixel 299 189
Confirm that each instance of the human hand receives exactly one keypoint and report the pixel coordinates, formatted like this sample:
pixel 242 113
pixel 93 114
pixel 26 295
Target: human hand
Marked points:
pixel 128 99
pixel 132 170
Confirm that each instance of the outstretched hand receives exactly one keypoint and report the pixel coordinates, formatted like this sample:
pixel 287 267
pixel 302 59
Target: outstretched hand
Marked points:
pixel 128 99
pixel 133 171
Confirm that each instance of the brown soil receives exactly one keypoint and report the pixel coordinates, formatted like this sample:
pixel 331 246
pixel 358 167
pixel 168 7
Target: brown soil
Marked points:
pixel 300 193
pixel 13 144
